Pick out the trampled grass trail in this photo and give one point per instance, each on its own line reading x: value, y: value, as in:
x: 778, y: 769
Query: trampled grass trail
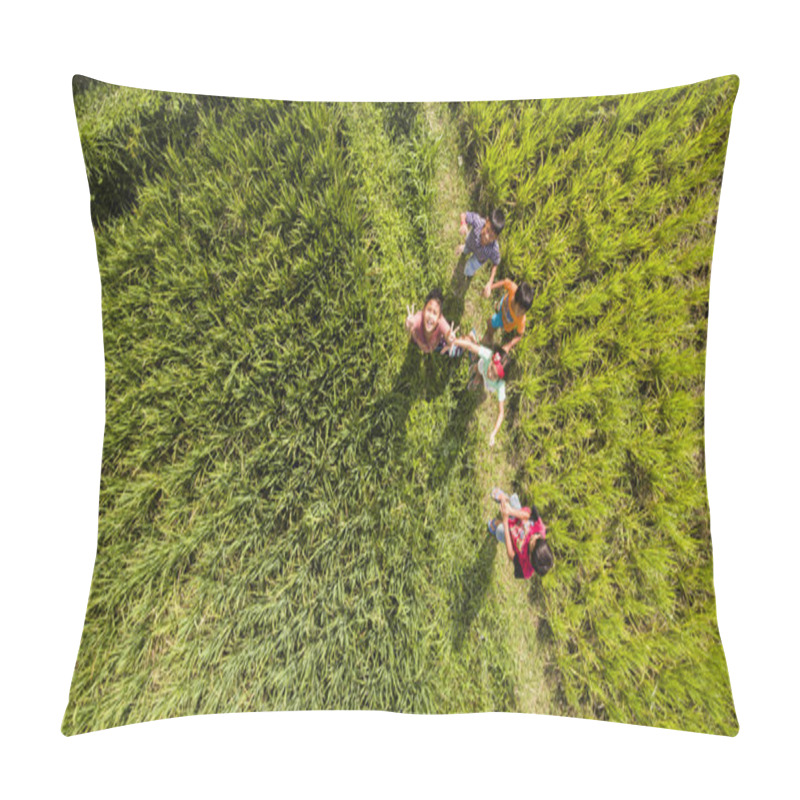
x: 611, y: 204
x: 522, y: 613
x: 492, y: 611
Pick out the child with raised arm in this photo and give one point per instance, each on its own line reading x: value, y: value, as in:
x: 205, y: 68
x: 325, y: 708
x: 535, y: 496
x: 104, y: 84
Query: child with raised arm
x: 490, y: 367
x: 481, y: 241
x: 510, y: 316
x: 524, y: 535
x: 428, y: 328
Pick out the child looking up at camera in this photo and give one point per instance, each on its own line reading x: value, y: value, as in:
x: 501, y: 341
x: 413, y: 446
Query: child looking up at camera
x: 428, y: 328
x: 489, y: 366
x: 510, y: 316
x: 481, y: 243
x: 524, y: 535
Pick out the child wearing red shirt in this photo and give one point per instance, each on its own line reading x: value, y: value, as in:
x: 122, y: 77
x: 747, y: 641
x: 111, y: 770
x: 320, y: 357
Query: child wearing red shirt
x: 524, y: 535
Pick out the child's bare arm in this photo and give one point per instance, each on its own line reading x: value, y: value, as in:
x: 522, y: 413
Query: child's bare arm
x: 450, y: 338
x: 463, y: 227
x: 487, y: 290
x: 504, y: 509
x: 497, y: 424
x: 513, y: 343
x: 451, y: 334
x: 519, y: 513
x: 467, y: 344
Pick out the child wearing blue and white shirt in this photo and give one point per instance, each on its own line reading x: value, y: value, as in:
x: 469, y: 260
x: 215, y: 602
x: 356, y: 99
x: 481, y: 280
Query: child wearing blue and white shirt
x: 481, y: 243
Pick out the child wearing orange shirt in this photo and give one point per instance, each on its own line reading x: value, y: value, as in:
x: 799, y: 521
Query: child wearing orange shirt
x: 510, y: 315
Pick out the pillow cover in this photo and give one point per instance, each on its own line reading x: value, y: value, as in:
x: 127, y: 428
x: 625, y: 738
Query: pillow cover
x: 294, y: 496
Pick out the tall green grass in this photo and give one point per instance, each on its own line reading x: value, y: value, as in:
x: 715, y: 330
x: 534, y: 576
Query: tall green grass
x: 287, y: 513
x: 290, y: 509
x: 611, y: 206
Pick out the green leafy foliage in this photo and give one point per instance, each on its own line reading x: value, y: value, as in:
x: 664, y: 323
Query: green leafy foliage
x: 292, y: 499
x: 611, y: 206
x: 282, y: 522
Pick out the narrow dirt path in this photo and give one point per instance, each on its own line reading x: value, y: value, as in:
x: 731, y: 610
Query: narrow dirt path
x: 534, y: 689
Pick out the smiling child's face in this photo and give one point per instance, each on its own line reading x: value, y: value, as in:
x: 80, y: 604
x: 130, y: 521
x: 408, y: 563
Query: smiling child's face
x: 487, y: 233
x: 431, y: 315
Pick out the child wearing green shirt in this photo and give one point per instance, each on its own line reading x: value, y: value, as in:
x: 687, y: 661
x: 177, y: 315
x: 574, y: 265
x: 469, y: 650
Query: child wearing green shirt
x: 490, y: 367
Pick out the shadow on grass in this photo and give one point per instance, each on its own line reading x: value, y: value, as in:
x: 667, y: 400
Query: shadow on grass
x: 426, y: 376
x: 512, y: 415
x: 469, y: 591
x: 455, y: 298
x: 544, y: 633
x: 421, y: 376
x: 453, y: 440
x: 454, y: 437
x: 455, y: 295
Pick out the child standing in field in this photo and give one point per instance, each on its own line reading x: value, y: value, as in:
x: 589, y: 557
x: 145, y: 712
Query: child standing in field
x: 428, y: 328
x: 522, y: 531
x: 490, y: 367
x: 511, y: 314
x: 481, y: 244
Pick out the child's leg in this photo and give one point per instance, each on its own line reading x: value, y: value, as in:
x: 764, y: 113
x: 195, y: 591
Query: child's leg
x: 472, y: 265
x: 494, y: 322
x: 498, y: 494
x: 496, y: 529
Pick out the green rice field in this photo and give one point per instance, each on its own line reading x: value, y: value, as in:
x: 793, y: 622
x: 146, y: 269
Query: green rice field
x: 293, y: 499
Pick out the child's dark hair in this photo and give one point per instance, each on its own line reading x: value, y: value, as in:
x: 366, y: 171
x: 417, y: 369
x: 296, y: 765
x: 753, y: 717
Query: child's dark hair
x: 541, y: 557
x: 524, y: 296
x: 498, y: 220
x: 435, y: 294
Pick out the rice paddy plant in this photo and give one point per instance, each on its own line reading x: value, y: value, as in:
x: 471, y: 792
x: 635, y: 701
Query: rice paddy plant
x: 282, y: 519
x: 611, y: 206
x: 288, y: 511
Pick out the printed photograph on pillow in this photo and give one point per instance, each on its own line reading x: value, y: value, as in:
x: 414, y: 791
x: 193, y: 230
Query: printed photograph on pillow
x: 404, y: 407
